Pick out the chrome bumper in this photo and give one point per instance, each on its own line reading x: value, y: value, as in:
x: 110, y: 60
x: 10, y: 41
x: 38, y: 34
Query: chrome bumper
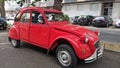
x: 96, y: 55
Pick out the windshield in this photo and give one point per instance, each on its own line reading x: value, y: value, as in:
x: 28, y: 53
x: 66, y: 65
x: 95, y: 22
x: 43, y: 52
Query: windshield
x: 53, y: 17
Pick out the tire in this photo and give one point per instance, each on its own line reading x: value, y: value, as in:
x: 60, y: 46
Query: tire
x: 107, y: 25
x: 5, y: 28
x: 15, y: 43
x: 2, y: 28
x: 66, y: 56
x: 94, y: 25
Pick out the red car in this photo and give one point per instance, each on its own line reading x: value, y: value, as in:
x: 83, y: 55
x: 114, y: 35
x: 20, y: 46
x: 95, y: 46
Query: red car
x: 48, y: 29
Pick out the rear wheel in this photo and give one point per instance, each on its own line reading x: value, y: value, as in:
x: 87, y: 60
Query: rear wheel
x: 15, y: 43
x: 66, y: 56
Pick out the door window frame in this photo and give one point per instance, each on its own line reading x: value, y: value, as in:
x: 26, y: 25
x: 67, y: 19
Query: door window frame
x: 22, y: 15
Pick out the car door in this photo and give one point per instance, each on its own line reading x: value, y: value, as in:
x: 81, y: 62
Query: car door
x: 24, y: 25
x: 39, y: 30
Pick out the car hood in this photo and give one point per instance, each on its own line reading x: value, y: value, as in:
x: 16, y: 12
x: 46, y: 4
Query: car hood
x: 77, y: 30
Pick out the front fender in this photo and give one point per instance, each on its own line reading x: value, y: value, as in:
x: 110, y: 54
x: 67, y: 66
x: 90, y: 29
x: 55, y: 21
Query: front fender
x: 14, y: 33
x: 82, y: 51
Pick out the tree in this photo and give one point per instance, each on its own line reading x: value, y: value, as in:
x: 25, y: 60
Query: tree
x: 2, y: 9
x: 57, y: 3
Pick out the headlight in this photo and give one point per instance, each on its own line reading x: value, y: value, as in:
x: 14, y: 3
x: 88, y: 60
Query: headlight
x: 86, y: 39
x: 97, y: 33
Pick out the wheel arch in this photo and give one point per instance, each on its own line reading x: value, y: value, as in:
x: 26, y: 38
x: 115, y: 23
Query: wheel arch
x: 58, y: 42
x: 14, y: 33
x: 62, y: 40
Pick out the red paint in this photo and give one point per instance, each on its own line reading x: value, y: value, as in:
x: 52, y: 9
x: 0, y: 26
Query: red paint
x: 47, y: 35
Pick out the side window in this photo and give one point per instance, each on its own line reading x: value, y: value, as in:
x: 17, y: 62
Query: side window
x: 25, y: 18
x: 37, y: 18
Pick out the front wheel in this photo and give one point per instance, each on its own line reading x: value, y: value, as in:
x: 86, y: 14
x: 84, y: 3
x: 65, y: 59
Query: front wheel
x: 107, y: 25
x: 15, y: 43
x: 66, y: 56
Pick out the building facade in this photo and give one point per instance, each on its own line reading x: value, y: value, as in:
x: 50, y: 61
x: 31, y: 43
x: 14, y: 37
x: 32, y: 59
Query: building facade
x: 10, y: 7
x: 109, y: 8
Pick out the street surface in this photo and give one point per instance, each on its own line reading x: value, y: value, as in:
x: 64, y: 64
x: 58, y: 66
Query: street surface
x: 107, y: 34
x: 29, y: 56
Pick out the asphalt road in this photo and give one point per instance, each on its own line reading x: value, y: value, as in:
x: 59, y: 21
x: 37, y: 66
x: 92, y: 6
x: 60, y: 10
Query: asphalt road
x: 107, y: 34
x: 33, y: 57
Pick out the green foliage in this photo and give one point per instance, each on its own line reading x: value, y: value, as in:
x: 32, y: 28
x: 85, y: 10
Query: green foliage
x: 63, y: 17
x: 67, y: 17
x: 1, y: 0
x: 20, y: 2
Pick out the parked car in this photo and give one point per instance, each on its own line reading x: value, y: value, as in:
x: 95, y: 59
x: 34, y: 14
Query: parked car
x: 102, y: 21
x: 10, y: 21
x: 117, y: 24
x: 3, y: 23
x: 48, y: 29
x: 85, y: 20
x: 74, y: 19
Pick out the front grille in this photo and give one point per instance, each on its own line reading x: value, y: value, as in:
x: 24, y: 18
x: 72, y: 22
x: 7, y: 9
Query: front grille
x: 97, y: 44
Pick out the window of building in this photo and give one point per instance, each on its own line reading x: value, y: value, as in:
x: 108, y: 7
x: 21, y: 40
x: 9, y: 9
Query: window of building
x: 94, y: 7
x: 25, y: 18
x: 80, y: 7
x: 66, y: 1
x: 68, y: 8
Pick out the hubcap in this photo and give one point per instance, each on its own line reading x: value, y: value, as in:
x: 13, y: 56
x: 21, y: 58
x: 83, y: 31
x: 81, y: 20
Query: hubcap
x: 13, y: 42
x: 64, y: 58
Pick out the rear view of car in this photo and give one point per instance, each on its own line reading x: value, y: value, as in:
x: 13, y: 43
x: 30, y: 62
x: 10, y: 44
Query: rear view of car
x: 74, y: 19
x: 3, y: 24
x: 102, y: 21
x: 85, y: 20
x: 82, y: 20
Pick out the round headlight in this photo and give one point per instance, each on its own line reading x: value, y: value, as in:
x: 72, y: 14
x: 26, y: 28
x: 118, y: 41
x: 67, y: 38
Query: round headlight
x: 86, y: 39
x: 98, y: 33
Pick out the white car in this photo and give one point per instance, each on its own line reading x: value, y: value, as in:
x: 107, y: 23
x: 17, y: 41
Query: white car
x: 10, y: 21
x: 117, y: 24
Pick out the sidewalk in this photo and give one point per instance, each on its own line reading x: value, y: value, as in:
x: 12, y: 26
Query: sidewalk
x: 111, y: 46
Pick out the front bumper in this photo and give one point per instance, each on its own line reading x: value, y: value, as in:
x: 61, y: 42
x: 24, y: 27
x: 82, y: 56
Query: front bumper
x: 100, y: 23
x: 96, y: 55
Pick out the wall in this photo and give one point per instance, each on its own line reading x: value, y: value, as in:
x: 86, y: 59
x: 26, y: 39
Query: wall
x: 86, y: 10
x: 116, y: 12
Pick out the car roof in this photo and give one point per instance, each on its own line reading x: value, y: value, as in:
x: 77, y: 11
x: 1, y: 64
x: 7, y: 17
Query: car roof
x: 43, y: 9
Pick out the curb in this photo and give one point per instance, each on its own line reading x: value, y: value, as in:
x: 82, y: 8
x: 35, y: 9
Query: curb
x: 111, y: 46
